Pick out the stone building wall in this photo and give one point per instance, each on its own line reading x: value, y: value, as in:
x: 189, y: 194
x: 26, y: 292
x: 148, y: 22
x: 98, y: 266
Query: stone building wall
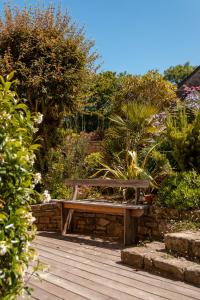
x: 153, y: 226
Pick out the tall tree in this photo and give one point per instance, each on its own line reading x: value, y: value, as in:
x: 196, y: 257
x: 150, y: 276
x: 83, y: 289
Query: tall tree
x: 177, y: 73
x: 103, y: 88
x: 52, y: 60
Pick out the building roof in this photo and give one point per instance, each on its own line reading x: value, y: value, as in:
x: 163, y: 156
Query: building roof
x: 192, y: 80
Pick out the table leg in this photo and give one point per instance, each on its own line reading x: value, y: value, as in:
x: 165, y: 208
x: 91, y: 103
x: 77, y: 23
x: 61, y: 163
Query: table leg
x: 130, y: 228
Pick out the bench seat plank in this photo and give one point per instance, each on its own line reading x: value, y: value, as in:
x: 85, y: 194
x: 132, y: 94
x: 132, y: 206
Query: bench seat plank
x: 108, y: 208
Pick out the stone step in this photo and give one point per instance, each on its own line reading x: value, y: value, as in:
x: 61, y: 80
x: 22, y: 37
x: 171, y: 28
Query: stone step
x: 186, y: 244
x: 154, y: 258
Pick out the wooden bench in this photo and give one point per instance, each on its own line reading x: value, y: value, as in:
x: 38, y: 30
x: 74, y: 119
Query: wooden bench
x: 130, y: 212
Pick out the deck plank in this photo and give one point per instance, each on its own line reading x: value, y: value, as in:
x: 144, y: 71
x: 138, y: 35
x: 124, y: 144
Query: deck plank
x: 117, y: 280
x: 88, y: 282
x: 57, y: 291
x: 86, y: 242
x: 114, y: 281
x: 81, y: 268
x: 85, y: 249
x: 38, y: 293
x: 100, y: 265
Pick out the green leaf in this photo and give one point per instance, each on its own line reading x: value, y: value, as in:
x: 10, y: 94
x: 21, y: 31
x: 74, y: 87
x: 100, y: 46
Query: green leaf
x: 10, y: 76
x: 3, y: 217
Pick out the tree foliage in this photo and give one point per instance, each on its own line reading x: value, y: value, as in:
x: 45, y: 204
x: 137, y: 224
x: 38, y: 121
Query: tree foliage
x: 149, y: 89
x: 52, y: 60
x: 177, y: 73
x: 103, y: 88
x: 97, y: 102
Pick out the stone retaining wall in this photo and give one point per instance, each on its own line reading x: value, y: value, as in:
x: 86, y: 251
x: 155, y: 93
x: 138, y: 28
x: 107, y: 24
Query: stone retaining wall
x: 154, y: 225
x: 161, y: 220
x: 48, y: 216
x: 98, y: 224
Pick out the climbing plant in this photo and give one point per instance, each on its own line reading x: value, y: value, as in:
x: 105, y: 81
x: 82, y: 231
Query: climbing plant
x: 17, y: 181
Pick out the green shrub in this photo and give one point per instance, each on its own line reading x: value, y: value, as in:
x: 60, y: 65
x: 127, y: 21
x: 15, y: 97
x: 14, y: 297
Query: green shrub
x: 65, y: 161
x: 180, y: 191
x: 16, y: 191
x: 92, y: 162
x: 183, y: 137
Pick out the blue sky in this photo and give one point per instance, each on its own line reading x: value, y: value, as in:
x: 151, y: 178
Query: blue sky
x: 138, y: 35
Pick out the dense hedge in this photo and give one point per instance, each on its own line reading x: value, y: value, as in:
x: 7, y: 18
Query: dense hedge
x: 16, y: 191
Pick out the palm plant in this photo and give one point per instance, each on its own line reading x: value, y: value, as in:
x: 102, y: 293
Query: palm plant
x: 126, y: 169
x: 136, y: 124
x: 130, y: 168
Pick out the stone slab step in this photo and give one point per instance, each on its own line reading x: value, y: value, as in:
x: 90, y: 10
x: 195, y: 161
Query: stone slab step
x: 153, y: 258
x: 186, y: 244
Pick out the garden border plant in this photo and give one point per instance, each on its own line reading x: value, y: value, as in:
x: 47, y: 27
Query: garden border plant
x: 181, y: 191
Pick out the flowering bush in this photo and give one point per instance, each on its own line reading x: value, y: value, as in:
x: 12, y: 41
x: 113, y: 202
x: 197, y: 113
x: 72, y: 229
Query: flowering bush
x: 191, y: 95
x: 17, y: 181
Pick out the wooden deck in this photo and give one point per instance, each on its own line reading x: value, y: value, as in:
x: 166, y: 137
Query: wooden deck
x: 84, y: 268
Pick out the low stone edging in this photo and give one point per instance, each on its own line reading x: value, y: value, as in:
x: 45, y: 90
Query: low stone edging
x: 185, y: 244
x: 155, y: 259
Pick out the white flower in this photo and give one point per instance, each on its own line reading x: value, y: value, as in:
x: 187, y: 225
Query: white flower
x: 32, y: 220
x: 26, y: 246
x: 37, y: 178
x: 3, y: 248
x: 38, y: 118
x: 46, y: 197
x: 9, y: 226
x: 30, y: 217
x: 35, y: 130
x: 14, y: 242
x: 29, y: 158
x: 2, y: 274
x: 6, y: 115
